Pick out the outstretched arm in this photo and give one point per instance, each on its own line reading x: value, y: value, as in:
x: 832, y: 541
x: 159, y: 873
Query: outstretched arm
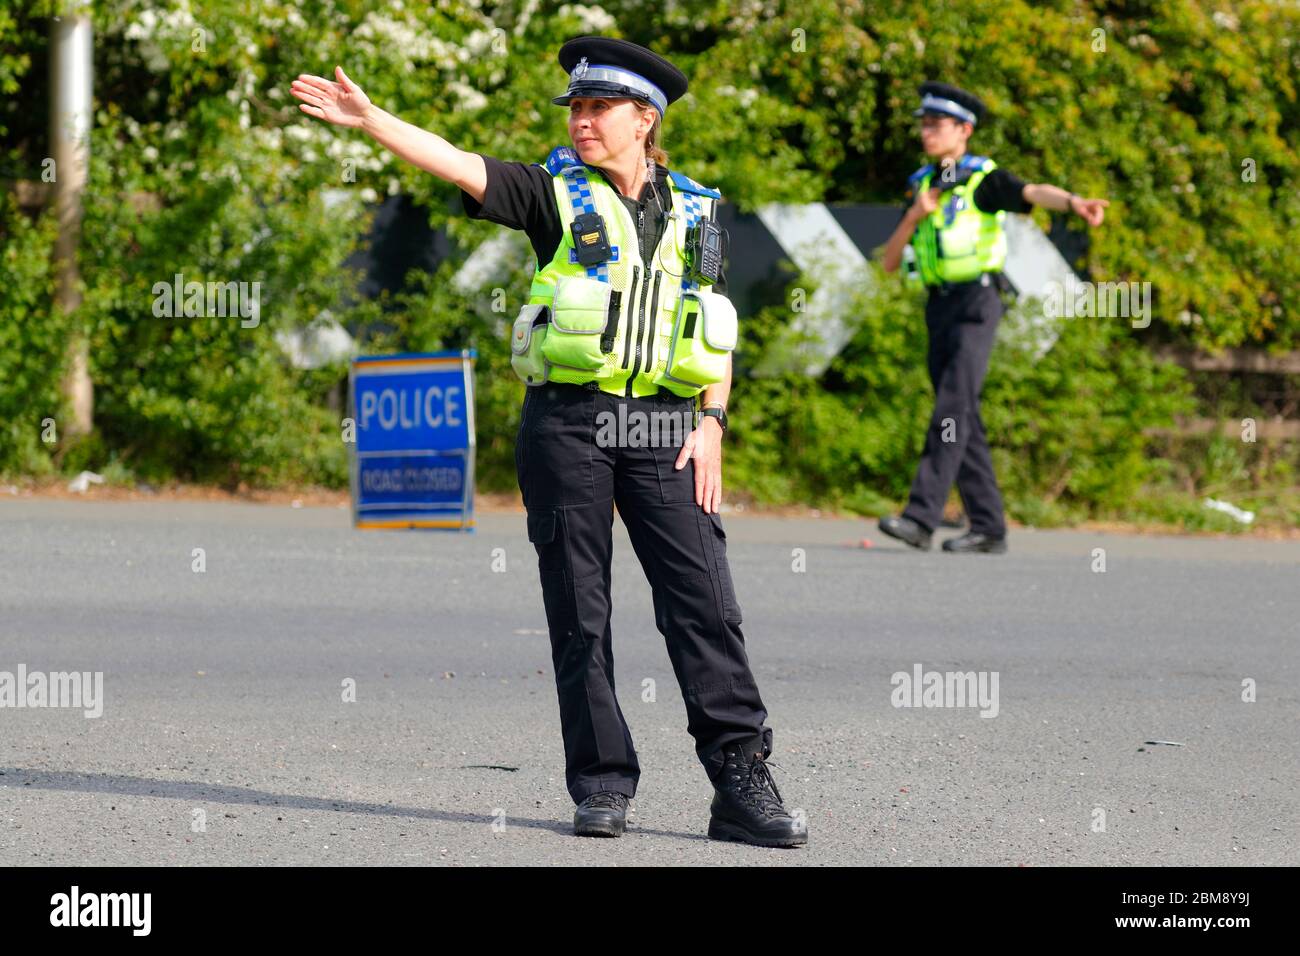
x: 1091, y: 211
x: 344, y: 104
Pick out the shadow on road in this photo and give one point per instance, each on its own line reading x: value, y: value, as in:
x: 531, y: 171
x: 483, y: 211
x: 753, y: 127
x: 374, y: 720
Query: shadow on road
x: 210, y: 793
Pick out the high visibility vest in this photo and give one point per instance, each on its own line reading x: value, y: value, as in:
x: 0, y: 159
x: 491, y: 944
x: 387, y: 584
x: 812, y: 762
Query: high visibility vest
x: 627, y: 327
x: 958, y: 241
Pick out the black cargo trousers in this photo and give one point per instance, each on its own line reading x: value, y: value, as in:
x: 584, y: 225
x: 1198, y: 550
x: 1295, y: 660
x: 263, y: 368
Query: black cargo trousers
x: 571, y: 474
x: 962, y: 322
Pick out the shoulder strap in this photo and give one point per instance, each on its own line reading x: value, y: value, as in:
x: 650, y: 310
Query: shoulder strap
x: 692, y: 197
x: 563, y: 163
x: 559, y: 158
x: 977, y: 163
x: 976, y: 168
x: 688, y: 185
x: 916, y: 177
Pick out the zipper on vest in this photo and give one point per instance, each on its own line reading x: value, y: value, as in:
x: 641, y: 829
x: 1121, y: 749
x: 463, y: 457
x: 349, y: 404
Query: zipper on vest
x: 654, y: 316
x: 640, y: 328
x: 627, y: 344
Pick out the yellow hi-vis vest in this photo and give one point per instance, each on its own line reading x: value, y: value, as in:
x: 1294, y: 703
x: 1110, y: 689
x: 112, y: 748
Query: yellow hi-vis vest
x: 626, y: 327
x: 957, y: 242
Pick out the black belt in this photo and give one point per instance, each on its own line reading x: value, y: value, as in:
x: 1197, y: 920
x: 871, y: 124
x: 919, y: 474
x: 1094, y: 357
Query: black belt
x: 947, y: 288
x: 663, y: 395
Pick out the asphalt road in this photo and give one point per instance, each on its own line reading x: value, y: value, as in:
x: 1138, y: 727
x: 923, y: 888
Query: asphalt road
x: 225, y: 738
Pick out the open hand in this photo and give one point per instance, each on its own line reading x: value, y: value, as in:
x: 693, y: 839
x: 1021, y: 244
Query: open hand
x: 704, y: 444
x: 342, y: 103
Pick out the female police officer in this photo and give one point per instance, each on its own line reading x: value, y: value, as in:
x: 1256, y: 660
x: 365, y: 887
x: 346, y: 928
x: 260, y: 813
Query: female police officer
x: 625, y: 325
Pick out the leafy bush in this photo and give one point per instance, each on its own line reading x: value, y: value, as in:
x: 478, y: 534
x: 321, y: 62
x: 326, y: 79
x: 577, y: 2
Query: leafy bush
x: 203, y: 165
x: 33, y: 340
x: 1067, y: 430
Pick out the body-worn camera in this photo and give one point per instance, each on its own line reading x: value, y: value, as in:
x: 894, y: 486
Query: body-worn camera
x: 704, y: 252
x: 590, y: 241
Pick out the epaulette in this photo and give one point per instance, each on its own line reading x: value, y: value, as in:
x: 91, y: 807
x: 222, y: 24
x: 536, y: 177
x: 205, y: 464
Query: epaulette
x: 688, y: 185
x: 920, y: 174
x: 560, y: 157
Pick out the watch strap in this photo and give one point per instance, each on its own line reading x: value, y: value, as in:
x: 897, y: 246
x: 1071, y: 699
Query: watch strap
x: 718, y: 412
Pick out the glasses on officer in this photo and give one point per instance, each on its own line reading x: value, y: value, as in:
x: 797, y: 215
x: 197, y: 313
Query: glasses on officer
x: 935, y: 121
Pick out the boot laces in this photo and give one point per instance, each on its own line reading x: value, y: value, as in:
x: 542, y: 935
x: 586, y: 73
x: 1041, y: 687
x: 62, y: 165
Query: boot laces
x: 760, y: 787
x: 607, y: 798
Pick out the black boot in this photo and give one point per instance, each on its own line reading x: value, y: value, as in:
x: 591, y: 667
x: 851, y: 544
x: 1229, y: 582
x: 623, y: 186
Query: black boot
x: 746, y: 804
x: 907, y: 531
x: 602, y: 814
x: 975, y: 542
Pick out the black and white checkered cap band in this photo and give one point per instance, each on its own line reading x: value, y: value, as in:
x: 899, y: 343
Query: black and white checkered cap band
x: 939, y: 104
x: 620, y: 77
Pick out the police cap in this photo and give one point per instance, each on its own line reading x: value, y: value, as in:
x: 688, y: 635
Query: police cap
x: 605, y: 66
x: 947, y: 100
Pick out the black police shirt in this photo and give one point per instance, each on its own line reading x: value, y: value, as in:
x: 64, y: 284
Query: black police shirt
x: 521, y: 196
x: 999, y: 191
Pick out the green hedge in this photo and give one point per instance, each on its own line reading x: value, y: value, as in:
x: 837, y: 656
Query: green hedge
x: 788, y: 103
x: 33, y: 341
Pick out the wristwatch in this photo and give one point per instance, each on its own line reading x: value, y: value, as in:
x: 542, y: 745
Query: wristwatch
x: 718, y: 412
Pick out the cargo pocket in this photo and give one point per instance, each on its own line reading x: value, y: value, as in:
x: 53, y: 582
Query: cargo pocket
x: 580, y: 311
x: 957, y: 241
x: 520, y: 434
x: 552, y: 563
x: 527, y: 337
x: 541, y: 531
x: 676, y: 485
x: 730, y: 607
x: 704, y: 335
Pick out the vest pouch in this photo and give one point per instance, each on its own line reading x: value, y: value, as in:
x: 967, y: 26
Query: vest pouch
x: 579, y: 313
x: 704, y: 335
x: 958, y: 240
x: 526, y: 338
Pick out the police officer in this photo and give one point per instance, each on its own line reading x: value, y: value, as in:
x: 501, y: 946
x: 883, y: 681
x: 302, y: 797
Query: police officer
x: 955, y: 226
x: 626, y: 327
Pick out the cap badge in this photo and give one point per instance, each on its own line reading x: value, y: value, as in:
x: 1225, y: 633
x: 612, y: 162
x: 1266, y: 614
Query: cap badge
x: 580, y: 70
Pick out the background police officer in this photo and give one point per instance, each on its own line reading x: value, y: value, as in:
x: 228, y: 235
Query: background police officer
x: 955, y: 227
x: 626, y: 316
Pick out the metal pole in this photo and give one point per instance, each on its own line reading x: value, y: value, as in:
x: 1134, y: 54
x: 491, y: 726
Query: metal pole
x: 70, y: 117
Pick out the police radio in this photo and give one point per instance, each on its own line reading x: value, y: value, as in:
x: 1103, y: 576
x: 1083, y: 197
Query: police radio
x: 589, y: 238
x: 704, y: 252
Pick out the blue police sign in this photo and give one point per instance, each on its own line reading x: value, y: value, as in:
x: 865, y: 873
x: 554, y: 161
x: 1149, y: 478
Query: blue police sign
x: 413, y: 463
